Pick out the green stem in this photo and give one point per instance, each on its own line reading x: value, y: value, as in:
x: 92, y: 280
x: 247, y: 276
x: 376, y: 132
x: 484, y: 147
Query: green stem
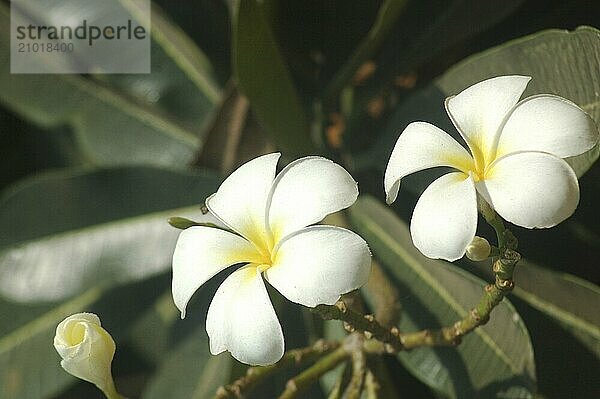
x: 372, y: 386
x: 313, y: 373
x: 111, y: 392
x: 355, y: 386
x: 366, y: 324
x: 493, y: 220
x: 340, y: 382
x: 292, y: 358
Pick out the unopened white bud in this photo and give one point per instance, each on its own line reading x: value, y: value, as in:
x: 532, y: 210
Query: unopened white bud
x: 479, y: 249
x: 86, y: 350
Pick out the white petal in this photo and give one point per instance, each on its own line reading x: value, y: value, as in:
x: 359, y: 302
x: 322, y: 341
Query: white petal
x: 479, y: 110
x: 531, y: 189
x: 319, y: 263
x: 445, y: 218
x: 306, y: 191
x: 86, y: 349
x: 550, y: 124
x: 420, y: 146
x: 241, y: 319
x: 62, y: 328
x: 200, y: 253
x: 241, y: 200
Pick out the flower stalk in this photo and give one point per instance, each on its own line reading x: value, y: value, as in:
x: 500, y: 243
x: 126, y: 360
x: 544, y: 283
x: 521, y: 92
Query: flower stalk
x: 303, y: 380
x: 372, y: 386
x: 292, y: 358
x: 359, y: 364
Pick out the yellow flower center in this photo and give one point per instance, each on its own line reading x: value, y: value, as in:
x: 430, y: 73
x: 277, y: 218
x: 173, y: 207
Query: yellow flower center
x: 76, y: 334
x: 264, y: 245
x: 479, y: 167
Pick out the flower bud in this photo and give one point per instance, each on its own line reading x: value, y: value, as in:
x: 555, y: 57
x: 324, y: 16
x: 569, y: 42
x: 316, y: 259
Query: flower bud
x: 479, y: 249
x: 87, y: 350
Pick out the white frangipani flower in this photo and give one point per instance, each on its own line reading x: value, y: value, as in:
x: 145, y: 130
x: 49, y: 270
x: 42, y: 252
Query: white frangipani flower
x: 308, y: 265
x: 514, y: 163
x: 87, y: 351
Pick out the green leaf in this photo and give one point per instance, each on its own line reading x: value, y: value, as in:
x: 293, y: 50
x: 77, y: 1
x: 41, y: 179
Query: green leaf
x: 18, y: 366
x: 560, y: 62
x: 150, y: 335
x: 27, y: 149
x: 559, y: 308
x: 263, y: 76
x: 190, y: 371
x: 182, y: 82
x: 112, y: 126
x: 29, y: 365
x: 494, y: 361
x: 182, y: 50
x: 76, y: 228
x: 569, y: 300
x: 561, y: 311
x: 574, y: 72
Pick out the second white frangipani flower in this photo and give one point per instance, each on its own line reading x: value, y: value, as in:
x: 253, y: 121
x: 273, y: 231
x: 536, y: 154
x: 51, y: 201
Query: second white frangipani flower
x: 269, y: 215
x: 515, y: 163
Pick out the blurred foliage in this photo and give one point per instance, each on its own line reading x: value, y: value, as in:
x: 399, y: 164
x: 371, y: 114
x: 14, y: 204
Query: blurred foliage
x: 92, y: 166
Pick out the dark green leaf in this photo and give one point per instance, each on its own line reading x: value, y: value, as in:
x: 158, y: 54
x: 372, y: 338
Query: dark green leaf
x: 19, y: 368
x: 263, y: 76
x: 560, y: 62
x: 559, y: 308
x: 559, y: 357
x: 181, y: 83
x: 190, y: 371
x: 150, y: 335
x: 63, y: 231
x: 29, y: 365
x: 494, y: 361
x: 110, y: 126
x: 569, y: 300
x: 573, y: 75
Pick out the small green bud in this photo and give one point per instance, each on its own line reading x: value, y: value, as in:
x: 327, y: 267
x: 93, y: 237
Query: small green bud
x: 182, y: 223
x: 479, y: 249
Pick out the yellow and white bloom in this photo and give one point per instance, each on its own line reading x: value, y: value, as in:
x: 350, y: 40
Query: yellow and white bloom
x: 515, y: 163
x: 87, y: 351
x: 269, y: 215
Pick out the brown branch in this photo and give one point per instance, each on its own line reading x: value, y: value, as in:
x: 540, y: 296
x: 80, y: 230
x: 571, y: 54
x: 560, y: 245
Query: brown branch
x: 292, y: 358
x: 341, y: 381
x: 366, y: 324
x: 372, y: 386
x: 355, y: 386
x: 313, y: 373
